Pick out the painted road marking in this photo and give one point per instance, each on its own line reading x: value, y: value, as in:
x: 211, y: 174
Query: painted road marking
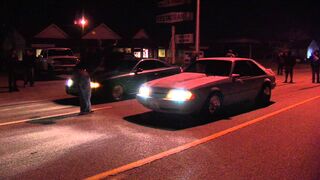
x: 51, y: 116
x: 184, y: 147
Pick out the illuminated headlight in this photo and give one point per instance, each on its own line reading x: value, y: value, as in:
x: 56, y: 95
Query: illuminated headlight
x: 69, y: 82
x: 179, y: 95
x: 144, y: 91
x: 94, y: 85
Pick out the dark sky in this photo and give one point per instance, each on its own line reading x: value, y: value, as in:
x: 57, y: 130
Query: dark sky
x: 219, y: 18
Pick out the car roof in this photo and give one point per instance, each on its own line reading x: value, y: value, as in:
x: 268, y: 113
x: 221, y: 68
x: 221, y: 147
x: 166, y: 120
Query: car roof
x: 224, y: 59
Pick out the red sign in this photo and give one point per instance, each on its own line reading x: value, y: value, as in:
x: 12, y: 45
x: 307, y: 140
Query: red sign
x: 174, y: 17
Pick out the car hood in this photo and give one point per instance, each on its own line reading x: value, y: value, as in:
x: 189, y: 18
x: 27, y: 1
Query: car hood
x: 186, y: 81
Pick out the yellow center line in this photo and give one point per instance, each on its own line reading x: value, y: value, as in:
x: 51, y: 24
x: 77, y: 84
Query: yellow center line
x: 50, y: 116
x: 183, y: 147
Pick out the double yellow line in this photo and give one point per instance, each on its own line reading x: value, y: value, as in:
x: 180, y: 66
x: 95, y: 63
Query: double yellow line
x: 181, y: 148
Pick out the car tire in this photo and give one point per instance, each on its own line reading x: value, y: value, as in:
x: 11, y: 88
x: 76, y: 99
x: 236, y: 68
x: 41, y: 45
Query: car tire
x: 213, y: 104
x: 117, y: 92
x: 264, y: 95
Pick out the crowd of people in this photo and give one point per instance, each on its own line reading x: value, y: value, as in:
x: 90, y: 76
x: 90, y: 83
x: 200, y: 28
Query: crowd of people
x: 20, y: 70
x: 286, y: 63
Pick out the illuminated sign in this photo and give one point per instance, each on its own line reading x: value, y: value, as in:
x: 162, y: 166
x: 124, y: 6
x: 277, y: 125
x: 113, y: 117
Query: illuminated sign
x: 184, y: 38
x: 174, y: 17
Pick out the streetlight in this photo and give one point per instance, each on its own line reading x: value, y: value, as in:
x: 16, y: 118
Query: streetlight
x: 82, y: 22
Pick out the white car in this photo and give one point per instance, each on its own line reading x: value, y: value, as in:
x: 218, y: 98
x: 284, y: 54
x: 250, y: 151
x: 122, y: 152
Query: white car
x: 207, y: 85
x: 57, y: 59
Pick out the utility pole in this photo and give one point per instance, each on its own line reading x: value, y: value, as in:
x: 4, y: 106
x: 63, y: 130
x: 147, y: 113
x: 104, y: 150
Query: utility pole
x: 198, y: 28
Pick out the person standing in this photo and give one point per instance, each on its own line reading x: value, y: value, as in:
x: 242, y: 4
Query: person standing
x: 315, y: 66
x: 12, y: 62
x: 280, y: 61
x: 29, y: 65
x: 82, y: 80
x: 289, y: 63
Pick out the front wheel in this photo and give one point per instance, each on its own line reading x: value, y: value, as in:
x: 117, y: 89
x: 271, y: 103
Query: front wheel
x: 213, y: 105
x: 117, y: 92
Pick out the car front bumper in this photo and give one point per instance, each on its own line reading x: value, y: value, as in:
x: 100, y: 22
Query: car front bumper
x: 168, y: 106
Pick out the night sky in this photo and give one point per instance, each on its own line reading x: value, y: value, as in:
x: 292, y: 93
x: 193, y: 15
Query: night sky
x: 234, y: 18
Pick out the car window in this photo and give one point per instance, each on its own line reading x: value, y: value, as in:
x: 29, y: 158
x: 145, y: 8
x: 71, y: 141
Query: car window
x: 211, y: 67
x: 149, y: 64
x: 242, y: 68
x: 256, y: 70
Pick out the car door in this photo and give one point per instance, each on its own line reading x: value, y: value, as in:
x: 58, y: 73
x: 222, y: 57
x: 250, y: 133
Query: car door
x: 257, y: 79
x: 242, y: 84
x: 141, y: 73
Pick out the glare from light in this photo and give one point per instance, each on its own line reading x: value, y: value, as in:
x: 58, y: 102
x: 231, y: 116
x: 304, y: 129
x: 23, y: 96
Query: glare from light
x: 94, y: 85
x: 144, y: 91
x: 69, y: 82
x: 179, y: 95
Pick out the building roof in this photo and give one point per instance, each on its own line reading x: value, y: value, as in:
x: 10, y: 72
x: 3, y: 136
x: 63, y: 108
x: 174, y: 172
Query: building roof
x: 102, y: 32
x: 52, y: 32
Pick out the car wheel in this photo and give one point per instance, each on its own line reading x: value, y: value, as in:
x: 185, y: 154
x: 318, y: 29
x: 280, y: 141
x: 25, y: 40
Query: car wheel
x: 213, y: 104
x: 264, y: 95
x: 117, y: 92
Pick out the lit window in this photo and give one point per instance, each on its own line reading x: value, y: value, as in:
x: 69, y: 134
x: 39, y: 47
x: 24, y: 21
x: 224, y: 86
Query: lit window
x: 162, y: 53
x: 137, y: 54
x: 145, y: 53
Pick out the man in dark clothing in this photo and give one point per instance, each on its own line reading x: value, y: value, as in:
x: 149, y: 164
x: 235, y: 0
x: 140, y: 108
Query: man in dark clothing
x: 315, y: 66
x: 82, y: 80
x: 12, y: 62
x: 280, y: 61
x: 289, y: 63
x: 29, y: 64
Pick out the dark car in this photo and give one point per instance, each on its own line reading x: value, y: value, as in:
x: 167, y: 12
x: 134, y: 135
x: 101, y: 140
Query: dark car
x: 208, y: 85
x: 123, y: 77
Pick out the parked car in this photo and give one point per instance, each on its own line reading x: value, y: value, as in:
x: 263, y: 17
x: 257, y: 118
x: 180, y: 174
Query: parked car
x: 207, y: 85
x: 123, y: 77
x: 56, y: 60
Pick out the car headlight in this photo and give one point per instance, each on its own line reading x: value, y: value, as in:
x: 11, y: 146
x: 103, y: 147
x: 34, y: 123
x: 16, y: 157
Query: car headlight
x: 94, y: 85
x: 69, y: 82
x: 179, y: 95
x: 144, y: 91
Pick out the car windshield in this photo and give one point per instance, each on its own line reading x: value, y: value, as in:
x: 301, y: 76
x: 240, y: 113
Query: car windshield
x: 123, y: 66
x: 211, y: 67
x: 62, y: 52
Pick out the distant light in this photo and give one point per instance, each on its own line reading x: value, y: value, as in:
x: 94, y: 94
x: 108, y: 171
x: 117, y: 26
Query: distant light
x: 83, y: 21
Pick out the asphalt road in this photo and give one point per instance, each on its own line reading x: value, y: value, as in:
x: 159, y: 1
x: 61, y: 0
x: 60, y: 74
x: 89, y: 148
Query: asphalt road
x: 42, y: 137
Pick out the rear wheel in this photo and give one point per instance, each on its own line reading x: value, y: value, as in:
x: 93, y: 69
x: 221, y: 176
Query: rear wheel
x: 264, y: 95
